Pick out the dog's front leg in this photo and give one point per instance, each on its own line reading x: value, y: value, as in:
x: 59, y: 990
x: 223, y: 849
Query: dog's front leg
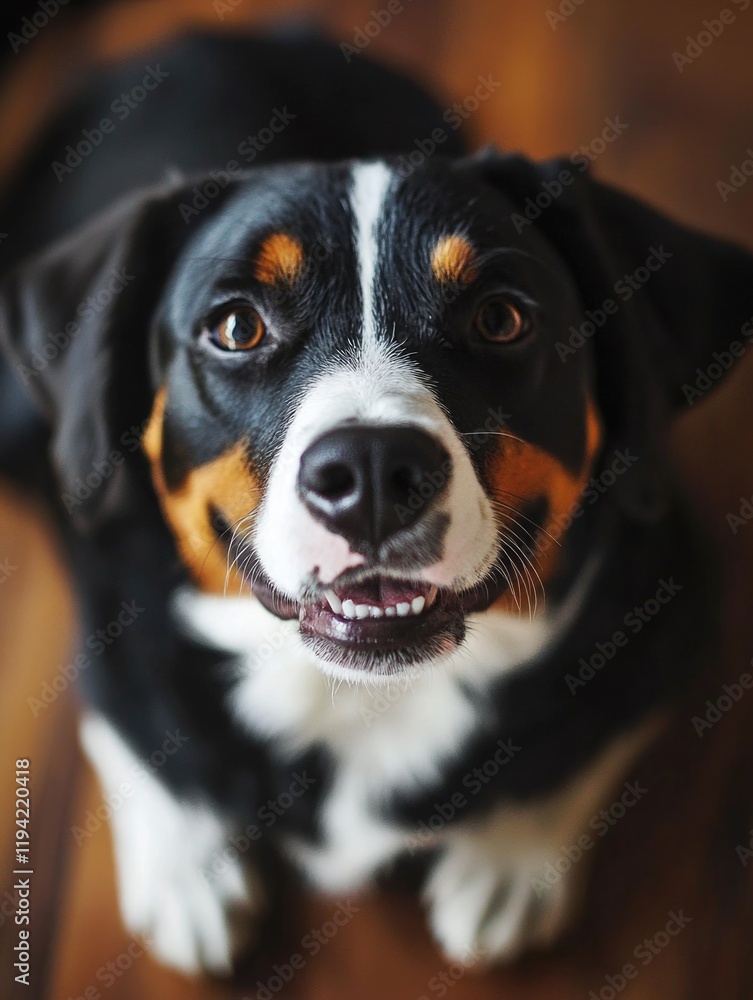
x: 192, y: 897
x: 492, y: 895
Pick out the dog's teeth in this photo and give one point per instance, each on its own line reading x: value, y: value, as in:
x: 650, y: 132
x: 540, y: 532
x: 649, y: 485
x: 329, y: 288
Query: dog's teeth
x: 301, y: 613
x: 349, y: 609
x: 334, y: 601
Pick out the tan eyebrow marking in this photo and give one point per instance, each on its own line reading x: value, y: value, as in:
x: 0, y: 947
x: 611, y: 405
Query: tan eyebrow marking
x: 279, y: 259
x: 453, y: 260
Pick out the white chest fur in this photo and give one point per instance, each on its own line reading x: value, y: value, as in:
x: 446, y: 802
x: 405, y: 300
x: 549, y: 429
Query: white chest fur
x: 382, y: 738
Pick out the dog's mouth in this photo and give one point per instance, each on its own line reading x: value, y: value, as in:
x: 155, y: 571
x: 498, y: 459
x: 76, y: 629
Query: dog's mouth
x: 381, y: 625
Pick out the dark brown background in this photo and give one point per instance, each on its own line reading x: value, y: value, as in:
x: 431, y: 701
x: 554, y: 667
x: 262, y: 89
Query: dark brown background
x: 677, y: 849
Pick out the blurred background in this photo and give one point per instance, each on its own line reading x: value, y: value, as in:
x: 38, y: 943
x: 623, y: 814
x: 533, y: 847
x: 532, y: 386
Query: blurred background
x: 571, y: 75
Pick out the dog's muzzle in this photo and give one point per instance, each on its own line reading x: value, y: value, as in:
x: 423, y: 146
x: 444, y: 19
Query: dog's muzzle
x: 382, y: 489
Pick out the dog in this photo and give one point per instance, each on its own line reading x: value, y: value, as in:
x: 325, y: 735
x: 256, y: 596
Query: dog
x: 359, y: 460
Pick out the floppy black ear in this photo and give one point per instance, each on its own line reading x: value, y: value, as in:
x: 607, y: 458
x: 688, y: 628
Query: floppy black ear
x: 675, y: 295
x: 74, y: 323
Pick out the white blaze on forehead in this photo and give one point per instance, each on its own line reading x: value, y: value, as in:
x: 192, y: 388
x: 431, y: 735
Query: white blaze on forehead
x: 371, y: 182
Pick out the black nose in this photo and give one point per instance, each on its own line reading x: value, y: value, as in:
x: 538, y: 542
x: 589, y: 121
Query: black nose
x: 367, y: 483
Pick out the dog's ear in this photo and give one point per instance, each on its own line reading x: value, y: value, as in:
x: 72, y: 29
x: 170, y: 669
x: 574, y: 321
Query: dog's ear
x: 658, y: 299
x: 75, y: 322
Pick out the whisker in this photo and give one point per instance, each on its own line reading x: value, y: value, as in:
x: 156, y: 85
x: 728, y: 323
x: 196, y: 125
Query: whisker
x: 504, y: 434
x: 502, y: 509
x: 519, y: 551
x: 529, y: 571
x: 217, y: 540
x: 529, y: 561
x: 530, y: 520
x: 237, y: 527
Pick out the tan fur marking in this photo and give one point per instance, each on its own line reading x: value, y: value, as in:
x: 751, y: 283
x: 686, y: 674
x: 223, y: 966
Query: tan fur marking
x: 529, y: 472
x: 279, y: 259
x: 453, y: 261
x: 225, y: 483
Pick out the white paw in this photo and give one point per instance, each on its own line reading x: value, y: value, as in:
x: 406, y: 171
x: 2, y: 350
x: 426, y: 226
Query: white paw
x: 482, y: 909
x: 195, y: 909
x: 181, y: 886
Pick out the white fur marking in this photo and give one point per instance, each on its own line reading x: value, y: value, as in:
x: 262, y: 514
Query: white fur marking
x: 163, y: 848
x: 371, y: 183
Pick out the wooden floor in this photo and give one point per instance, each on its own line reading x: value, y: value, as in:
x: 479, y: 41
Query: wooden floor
x: 677, y: 850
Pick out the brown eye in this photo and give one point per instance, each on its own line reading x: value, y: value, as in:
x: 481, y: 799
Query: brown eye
x: 499, y: 321
x: 241, y: 330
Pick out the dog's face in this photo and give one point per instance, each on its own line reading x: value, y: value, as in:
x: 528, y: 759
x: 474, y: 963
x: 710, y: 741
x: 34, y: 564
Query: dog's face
x: 361, y: 413
x: 354, y: 403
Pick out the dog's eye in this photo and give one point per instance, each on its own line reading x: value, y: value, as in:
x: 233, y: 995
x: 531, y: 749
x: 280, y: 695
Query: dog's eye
x: 499, y: 321
x: 241, y: 330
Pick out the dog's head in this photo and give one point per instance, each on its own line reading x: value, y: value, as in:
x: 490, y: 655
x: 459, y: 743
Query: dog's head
x: 372, y: 399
